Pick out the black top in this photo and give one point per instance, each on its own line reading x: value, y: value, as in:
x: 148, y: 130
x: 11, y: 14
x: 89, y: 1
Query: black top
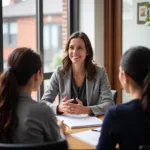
x: 79, y: 93
x: 126, y: 125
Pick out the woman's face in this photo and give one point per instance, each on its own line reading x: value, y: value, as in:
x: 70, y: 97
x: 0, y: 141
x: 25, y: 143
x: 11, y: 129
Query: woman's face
x: 121, y: 75
x: 77, y: 51
x: 123, y: 80
x: 41, y: 76
x: 39, y: 79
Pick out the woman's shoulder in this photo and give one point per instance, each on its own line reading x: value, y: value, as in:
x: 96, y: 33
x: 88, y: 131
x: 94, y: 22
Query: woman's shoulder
x: 58, y: 71
x: 128, y: 105
x: 100, y: 68
x: 40, y: 110
x: 125, y: 109
x: 58, y: 68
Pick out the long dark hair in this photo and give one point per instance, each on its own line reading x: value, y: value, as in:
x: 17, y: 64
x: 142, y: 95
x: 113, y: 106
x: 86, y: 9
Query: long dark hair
x: 136, y: 63
x: 22, y: 64
x: 89, y: 65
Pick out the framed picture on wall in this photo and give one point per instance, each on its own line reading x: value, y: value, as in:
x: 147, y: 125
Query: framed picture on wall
x: 142, y: 13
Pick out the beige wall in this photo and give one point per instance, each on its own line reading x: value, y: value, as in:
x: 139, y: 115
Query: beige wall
x: 92, y: 23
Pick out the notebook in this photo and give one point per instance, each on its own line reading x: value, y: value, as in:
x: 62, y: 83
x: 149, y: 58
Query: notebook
x: 79, y: 121
x: 89, y: 136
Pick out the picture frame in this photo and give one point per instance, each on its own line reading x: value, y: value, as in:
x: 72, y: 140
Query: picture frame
x: 142, y: 13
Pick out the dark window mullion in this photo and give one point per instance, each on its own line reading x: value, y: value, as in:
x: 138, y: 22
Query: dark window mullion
x: 39, y: 41
x: 39, y: 37
x: 9, y: 35
x: 73, y: 16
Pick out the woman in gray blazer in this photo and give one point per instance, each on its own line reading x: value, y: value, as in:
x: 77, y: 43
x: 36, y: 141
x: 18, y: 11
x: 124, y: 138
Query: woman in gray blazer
x: 83, y: 87
x: 23, y: 120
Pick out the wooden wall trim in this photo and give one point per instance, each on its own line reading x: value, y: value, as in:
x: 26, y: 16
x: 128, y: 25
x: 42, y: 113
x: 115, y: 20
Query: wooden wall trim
x: 113, y: 42
x: 108, y: 33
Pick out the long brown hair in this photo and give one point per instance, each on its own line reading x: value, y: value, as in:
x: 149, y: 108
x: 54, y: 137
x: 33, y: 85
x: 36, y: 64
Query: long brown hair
x: 89, y: 65
x: 22, y: 64
x: 136, y: 63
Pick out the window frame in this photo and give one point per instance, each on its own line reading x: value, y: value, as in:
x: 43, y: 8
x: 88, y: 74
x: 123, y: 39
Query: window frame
x: 73, y: 25
x: 9, y: 43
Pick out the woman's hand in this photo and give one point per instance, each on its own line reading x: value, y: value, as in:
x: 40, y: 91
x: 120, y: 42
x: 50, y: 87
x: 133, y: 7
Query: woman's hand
x: 78, y: 108
x: 62, y: 126
x: 67, y: 107
x: 64, y: 106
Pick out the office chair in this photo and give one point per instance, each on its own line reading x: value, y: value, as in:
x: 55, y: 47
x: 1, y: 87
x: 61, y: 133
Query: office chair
x: 60, y: 144
x: 144, y: 147
x: 114, y: 94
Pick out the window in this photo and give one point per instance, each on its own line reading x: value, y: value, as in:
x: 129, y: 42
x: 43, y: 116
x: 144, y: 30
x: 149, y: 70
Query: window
x: 19, y: 29
x: 10, y: 34
x: 52, y: 43
x: 5, y: 65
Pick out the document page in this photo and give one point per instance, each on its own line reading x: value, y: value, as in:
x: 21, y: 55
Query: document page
x: 78, y: 121
x: 89, y: 136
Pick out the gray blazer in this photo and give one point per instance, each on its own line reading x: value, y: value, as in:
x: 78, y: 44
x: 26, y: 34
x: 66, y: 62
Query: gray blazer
x: 36, y: 122
x: 98, y: 92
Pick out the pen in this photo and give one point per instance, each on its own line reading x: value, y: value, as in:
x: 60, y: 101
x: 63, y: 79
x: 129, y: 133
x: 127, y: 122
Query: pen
x: 95, y: 130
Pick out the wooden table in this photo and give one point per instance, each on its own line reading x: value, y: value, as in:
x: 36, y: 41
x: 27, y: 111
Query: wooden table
x: 76, y: 144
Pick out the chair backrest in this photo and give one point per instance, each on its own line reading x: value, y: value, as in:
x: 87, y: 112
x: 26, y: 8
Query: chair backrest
x: 144, y: 147
x: 61, y: 144
x: 114, y: 94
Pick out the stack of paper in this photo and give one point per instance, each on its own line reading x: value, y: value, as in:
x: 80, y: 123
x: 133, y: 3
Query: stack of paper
x: 88, y: 136
x: 78, y: 121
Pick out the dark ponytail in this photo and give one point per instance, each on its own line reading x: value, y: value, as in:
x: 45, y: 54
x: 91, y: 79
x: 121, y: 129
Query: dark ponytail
x: 8, y: 101
x: 22, y: 64
x: 136, y: 63
x: 146, y: 95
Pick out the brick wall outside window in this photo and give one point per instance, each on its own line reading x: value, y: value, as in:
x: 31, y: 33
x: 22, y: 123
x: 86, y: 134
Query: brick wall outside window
x: 64, y: 25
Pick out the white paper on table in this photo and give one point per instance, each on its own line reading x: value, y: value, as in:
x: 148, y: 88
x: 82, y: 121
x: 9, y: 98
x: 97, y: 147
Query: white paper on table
x: 78, y: 121
x: 89, y: 136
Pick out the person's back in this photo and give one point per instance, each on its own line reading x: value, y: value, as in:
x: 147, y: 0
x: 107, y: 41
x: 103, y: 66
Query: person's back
x: 23, y: 120
x: 36, y: 122
x: 128, y: 125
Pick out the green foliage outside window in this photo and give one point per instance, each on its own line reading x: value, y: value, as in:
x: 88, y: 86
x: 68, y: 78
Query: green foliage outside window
x: 148, y: 14
x: 57, y: 60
